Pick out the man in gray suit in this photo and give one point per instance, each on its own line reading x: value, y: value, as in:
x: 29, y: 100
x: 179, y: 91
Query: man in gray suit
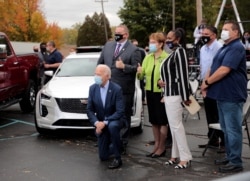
x: 122, y: 57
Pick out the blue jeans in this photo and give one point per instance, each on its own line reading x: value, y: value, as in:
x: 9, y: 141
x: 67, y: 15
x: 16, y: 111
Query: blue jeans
x: 230, y: 117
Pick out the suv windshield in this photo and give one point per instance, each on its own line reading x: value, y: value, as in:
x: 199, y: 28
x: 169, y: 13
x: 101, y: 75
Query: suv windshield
x: 73, y: 67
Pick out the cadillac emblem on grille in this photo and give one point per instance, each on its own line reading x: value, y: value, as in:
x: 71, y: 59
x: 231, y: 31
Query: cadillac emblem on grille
x: 84, y: 101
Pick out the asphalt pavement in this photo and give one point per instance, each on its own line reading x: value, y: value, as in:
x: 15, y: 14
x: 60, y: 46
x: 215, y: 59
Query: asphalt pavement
x: 202, y: 167
x: 66, y: 156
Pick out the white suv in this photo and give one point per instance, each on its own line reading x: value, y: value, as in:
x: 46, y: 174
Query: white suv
x: 61, y: 103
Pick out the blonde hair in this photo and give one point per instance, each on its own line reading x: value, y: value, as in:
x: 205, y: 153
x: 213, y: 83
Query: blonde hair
x: 159, y: 37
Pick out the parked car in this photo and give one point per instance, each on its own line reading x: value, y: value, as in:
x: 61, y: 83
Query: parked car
x: 19, y: 77
x: 62, y: 102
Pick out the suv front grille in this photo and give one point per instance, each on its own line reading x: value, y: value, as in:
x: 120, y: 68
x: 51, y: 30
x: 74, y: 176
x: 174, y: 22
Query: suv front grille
x: 72, y: 105
x: 74, y: 122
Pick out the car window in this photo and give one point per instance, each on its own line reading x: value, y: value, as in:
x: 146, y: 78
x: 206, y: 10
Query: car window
x: 4, y: 41
x: 77, y: 67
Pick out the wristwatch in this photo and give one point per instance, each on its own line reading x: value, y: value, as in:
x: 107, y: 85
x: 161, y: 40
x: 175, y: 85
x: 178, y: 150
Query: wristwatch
x: 206, y: 83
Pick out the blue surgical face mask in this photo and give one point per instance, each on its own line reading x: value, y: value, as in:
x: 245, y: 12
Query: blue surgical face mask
x: 98, y: 79
x: 152, y: 47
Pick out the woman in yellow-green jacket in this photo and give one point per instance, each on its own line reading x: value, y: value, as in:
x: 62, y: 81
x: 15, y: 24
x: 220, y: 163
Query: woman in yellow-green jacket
x: 150, y: 70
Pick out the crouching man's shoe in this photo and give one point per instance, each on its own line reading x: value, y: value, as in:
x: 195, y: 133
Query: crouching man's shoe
x: 116, y: 163
x: 230, y: 168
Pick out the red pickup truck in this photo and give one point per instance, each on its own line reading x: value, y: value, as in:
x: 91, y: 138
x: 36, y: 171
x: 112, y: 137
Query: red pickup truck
x: 19, y: 77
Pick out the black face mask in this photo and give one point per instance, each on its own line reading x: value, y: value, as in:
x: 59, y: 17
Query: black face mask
x: 170, y: 44
x: 118, y: 37
x: 43, y: 49
x: 205, y: 39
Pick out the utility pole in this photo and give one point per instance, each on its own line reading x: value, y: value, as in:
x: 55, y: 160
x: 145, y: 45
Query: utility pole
x: 199, y: 11
x: 104, y: 20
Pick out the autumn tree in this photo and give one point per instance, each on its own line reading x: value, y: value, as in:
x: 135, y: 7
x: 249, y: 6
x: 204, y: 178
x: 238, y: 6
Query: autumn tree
x: 92, y: 31
x: 23, y: 20
x: 38, y: 27
x: 17, y: 18
x: 55, y: 34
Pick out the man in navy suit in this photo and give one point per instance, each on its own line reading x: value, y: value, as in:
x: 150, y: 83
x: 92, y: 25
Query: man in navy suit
x: 105, y: 109
x: 122, y: 57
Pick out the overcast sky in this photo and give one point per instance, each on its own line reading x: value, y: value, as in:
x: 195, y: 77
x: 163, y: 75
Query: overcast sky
x: 68, y: 12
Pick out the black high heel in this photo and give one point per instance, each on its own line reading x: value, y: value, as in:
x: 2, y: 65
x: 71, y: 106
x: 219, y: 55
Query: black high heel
x: 157, y: 156
x: 186, y: 165
x: 149, y: 154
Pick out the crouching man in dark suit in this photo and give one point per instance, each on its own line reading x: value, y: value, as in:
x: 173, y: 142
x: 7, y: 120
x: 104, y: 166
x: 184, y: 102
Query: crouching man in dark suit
x: 105, y: 109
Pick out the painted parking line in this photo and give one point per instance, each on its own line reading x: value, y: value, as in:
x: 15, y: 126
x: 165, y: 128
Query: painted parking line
x: 19, y: 137
x: 8, y: 124
x: 14, y: 121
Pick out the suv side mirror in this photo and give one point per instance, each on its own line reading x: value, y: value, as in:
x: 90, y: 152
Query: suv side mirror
x: 49, y: 73
x: 3, y: 51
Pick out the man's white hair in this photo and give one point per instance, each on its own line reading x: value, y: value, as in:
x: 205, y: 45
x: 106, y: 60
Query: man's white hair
x: 105, y: 68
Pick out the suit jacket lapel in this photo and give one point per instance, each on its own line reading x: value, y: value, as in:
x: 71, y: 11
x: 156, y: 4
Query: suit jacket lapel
x: 113, y: 50
x: 113, y: 47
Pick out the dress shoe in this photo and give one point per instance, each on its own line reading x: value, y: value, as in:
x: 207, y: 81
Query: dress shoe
x: 230, y: 168
x: 157, y: 156
x: 149, y: 154
x: 223, y: 161
x: 115, y: 164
